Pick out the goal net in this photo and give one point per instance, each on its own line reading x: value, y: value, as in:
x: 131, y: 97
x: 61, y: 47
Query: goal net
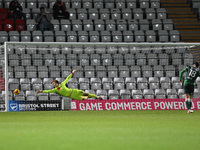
x: 109, y: 70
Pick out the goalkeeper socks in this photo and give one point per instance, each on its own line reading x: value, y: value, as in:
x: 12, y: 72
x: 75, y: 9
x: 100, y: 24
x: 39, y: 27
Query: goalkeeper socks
x: 92, y: 95
x: 190, y: 103
x: 187, y: 104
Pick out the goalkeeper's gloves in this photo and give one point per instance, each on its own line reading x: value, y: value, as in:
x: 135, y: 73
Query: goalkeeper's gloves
x: 38, y: 91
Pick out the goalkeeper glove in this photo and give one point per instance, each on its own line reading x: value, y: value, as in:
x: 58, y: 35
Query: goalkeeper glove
x: 38, y: 91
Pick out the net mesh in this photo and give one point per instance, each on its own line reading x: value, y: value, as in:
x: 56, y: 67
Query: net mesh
x: 109, y: 70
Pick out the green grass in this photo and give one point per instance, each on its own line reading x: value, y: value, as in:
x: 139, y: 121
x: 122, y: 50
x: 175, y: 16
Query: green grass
x: 100, y: 130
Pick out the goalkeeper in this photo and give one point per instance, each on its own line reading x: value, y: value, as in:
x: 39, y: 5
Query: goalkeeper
x: 191, y: 74
x: 62, y: 90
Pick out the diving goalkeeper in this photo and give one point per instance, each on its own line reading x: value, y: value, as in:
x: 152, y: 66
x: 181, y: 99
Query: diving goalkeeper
x: 62, y: 90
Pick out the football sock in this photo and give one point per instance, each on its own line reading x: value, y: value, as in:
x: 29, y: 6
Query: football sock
x: 190, y: 103
x: 92, y: 95
x: 187, y: 104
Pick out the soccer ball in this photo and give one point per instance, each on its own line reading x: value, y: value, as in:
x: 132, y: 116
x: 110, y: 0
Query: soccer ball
x: 16, y: 91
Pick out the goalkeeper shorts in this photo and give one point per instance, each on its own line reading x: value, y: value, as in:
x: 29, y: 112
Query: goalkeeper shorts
x: 77, y: 94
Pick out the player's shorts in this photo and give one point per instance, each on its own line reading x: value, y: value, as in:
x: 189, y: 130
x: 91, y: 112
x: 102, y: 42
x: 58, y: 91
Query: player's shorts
x: 189, y: 89
x: 77, y: 94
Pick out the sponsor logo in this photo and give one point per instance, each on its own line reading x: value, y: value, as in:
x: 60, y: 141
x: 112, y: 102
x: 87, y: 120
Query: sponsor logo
x: 73, y: 105
x: 14, y: 106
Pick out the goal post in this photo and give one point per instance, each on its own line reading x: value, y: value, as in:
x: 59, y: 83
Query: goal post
x: 29, y: 66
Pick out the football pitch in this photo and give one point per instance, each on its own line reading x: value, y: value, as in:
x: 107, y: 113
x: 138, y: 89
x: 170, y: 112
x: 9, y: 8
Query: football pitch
x: 100, y: 130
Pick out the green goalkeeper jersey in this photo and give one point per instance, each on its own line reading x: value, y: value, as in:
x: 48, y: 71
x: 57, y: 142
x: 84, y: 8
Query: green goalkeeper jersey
x: 61, y: 89
x: 192, y: 74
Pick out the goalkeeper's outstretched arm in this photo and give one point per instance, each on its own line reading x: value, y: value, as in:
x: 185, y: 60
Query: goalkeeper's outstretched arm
x: 45, y: 91
x: 69, y: 77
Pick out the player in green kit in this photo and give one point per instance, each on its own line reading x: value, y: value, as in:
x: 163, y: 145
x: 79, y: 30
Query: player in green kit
x: 189, y: 82
x: 62, y: 90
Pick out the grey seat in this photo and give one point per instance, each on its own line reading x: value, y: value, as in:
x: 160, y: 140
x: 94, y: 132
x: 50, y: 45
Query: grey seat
x: 102, y: 93
x: 48, y: 36
x: 73, y: 13
x: 110, y: 4
x: 125, y: 94
x: 139, y: 36
x: 150, y: 13
x: 60, y: 60
x: 152, y: 59
x: 4, y: 36
x: 94, y: 36
x: 154, y: 83
x: 36, y: 84
x: 72, y: 36
x: 30, y: 96
x: 83, y: 36
x: 106, y: 59
x: 128, y: 36
x: 112, y: 71
x: 13, y: 60
x: 37, y: 36
x: 163, y: 36
x: 165, y: 83
x: 84, y: 83
x: 170, y: 71
x: 148, y: 94
x: 95, y: 83
x: 14, y: 36
x: 119, y: 83
x: 77, y: 25
x: 142, y: 83
x: 116, y: 36
x: 126, y: 12
x: 104, y: 14
x: 105, y: 36
x: 181, y: 93
x: 89, y: 72
x: 188, y: 59
x: 161, y: 13
x: 150, y: 36
x: 118, y: 59
x: 138, y: 13
x: 131, y: 4
x: 163, y: 59
x: 25, y: 84
x: 141, y: 59
x: 79, y: 73
x: 144, y: 24
x: 160, y: 93
x: 129, y: 59
x: 135, y: 71
x: 130, y: 83
x: 110, y: 25
x: 147, y: 71
x: 60, y: 36
x: 43, y: 72
x: 144, y: 3
x: 155, y: 3
x: 124, y: 71
x: 99, y: 4
x: 99, y: 25
x: 133, y: 25
x: 31, y: 72
x: 56, y: 24
x: 174, y: 36
x: 137, y: 94
x: 82, y: 14
x: 76, y: 4
x: 115, y: 14
x: 31, y: 25
x: 113, y: 94
x: 49, y: 60
x: 31, y: 4
x: 88, y: 25
x: 107, y: 83
x: 168, y: 24
x: 95, y: 59
x: 171, y: 93
x: 157, y: 24
x: 93, y: 14
x: 19, y: 72
x: 25, y: 36
x: 84, y: 59
x: 54, y: 72
x: 27, y: 12
x: 176, y: 59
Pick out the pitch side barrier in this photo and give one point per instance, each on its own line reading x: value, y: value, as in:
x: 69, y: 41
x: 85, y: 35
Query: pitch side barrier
x: 133, y: 104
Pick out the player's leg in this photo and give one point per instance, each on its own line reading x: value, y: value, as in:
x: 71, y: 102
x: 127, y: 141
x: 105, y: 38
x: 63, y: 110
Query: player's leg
x: 187, y: 97
x: 92, y: 96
